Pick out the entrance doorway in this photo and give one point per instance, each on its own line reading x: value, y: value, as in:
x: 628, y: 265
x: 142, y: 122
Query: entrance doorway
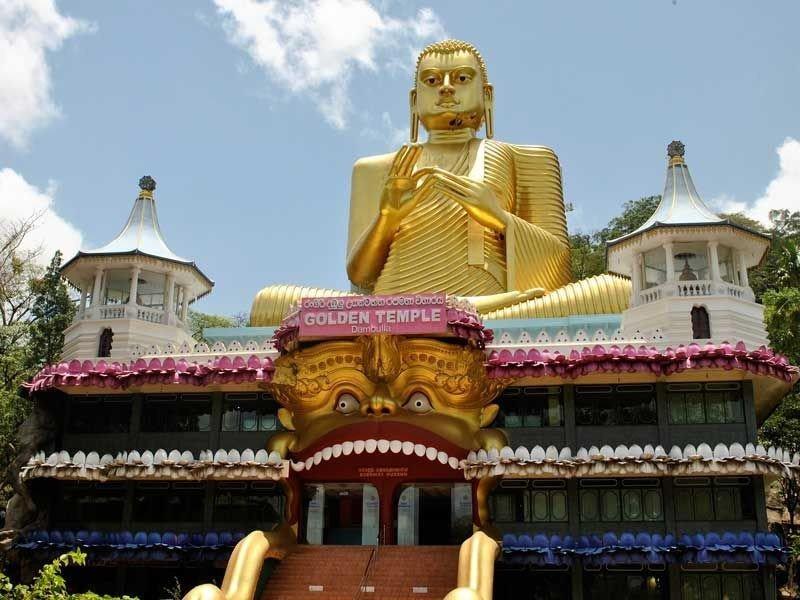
x: 523, y: 583
x: 341, y: 514
x: 437, y: 514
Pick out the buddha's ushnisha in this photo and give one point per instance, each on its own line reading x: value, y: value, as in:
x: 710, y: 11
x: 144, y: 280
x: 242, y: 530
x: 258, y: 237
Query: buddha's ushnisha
x: 460, y: 214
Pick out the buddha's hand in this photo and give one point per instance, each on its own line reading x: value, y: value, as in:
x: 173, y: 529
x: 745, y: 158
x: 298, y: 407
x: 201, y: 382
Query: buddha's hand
x: 399, y: 192
x: 476, y: 197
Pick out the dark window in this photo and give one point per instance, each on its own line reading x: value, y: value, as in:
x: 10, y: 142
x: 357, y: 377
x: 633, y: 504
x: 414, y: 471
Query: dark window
x: 100, y: 414
x: 249, y: 412
x: 701, y: 326
x: 615, y: 404
x: 163, y: 502
x: 523, y: 501
x: 258, y: 504
x: 106, y: 339
x: 691, y: 403
x: 614, y: 500
x: 178, y: 413
x: 710, y: 586
x: 625, y: 586
x: 88, y: 502
x: 531, y: 407
x: 714, y: 499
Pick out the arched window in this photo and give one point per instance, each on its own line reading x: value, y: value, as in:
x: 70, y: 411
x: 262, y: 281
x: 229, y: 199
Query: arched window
x: 106, y: 337
x: 701, y: 326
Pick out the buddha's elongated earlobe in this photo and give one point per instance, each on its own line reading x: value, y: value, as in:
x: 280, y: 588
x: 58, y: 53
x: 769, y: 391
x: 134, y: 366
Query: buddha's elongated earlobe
x: 488, y: 109
x: 414, y: 124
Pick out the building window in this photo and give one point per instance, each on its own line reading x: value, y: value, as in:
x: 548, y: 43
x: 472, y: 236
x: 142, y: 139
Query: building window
x: 531, y: 407
x: 691, y: 403
x: 641, y: 585
x: 100, y: 414
x: 701, y: 326
x: 176, y: 413
x: 104, y: 346
x: 615, y: 404
x: 536, y: 501
x: 164, y: 502
x: 257, y: 504
x: 81, y: 503
x: 707, y: 586
x: 628, y: 500
x: 249, y: 412
x: 714, y: 499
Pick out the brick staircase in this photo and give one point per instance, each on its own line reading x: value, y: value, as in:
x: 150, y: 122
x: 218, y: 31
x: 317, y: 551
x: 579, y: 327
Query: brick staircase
x: 336, y: 573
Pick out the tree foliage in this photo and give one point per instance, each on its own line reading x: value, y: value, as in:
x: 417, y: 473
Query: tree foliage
x: 50, y: 584
x: 51, y: 313
x: 199, y: 322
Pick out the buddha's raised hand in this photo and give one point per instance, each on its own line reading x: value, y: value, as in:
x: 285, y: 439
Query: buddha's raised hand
x: 476, y: 197
x: 398, y: 197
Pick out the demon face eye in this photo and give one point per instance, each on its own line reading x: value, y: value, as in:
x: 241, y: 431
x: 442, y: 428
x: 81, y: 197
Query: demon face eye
x: 418, y: 403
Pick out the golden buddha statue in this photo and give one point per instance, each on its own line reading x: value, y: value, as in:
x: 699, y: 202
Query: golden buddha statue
x: 471, y: 217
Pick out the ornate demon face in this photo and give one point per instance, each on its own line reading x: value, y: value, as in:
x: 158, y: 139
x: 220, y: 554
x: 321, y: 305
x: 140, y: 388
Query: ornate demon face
x: 375, y: 385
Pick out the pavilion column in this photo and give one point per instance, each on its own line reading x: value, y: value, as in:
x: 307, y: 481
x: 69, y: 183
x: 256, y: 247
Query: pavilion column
x: 713, y: 258
x: 636, y: 278
x: 82, y: 305
x: 169, y: 288
x: 668, y: 249
x: 184, y: 304
x: 744, y: 279
x: 135, y: 272
x: 96, y: 289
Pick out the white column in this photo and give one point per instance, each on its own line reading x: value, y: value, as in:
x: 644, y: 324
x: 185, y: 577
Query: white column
x: 98, y: 281
x: 636, y: 278
x: 184, y: 304
x: 135, y: 272
x: 713, y: 258
x: 169, y: 287
x: 82, y: 304
x: 668, y: 249
x: 744, y: 279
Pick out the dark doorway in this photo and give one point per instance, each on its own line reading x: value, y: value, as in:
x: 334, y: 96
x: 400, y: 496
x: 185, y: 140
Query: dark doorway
x: 434, y: 514
x: 434, y: 517
x: 625, y: 585
x: 340, y: 514
x: 701, y: 325
x: 106, y: 338
x: 522, y: 583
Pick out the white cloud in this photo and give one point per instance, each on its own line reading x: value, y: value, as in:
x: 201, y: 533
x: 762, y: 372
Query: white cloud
x: 783, y: 192
x: 312, y: 47
x: 20, y: 200
x: 28, y: 29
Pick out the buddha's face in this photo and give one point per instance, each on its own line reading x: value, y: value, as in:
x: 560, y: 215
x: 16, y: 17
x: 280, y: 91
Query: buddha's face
x: 450, y: 91
x: 416, y: 390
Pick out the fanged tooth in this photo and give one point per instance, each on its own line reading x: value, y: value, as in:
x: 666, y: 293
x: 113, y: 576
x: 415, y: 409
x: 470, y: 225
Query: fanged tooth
x: 309, y: 463
x: 431, y: 453
x: 326, y: 453
x: 337, y: 450
x: 442, y: 458
x: 371, y: 446
x: 453, y: 462
x: 317, y: 457
x: 358, y: 446
x: 419, y: 450
x: 408, y: 448
x: 396, y: 446
x: 298, y: 466
x: 347, y: 448
x: 383, y: 446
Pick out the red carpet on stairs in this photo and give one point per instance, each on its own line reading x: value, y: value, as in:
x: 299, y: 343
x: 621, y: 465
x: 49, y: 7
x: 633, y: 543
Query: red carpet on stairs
x: 336, y: 573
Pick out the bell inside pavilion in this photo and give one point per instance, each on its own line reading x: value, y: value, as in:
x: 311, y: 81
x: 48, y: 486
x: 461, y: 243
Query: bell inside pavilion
x: 465, y: 422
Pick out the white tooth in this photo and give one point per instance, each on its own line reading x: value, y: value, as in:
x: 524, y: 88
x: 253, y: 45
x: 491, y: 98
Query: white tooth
x: 298, y: 466
x: 317, y: 457
x: 326, y: 453
x: 408, y: 448
x: 347, y: 448
x: 309, y: 463
x: 442, y: 457
x: 383, y: 446
x: 453, y: 462
x: 419, y: 450
x: 358, y: 446
x: 431, y: 453
x: 396, y: 446
x: 337, y: 450
x: 371, y: 446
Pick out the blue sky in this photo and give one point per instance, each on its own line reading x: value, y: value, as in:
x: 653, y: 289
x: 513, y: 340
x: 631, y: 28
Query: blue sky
x: 250, y: 115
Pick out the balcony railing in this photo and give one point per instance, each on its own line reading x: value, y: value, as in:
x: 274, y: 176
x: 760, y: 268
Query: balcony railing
x: 692, y: 289
x: 129, y: 311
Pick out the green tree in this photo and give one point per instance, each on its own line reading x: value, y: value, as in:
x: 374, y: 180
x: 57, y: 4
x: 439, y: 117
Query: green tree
x: 51, y: 314
x: 50, y: 584
x: 199, y: 322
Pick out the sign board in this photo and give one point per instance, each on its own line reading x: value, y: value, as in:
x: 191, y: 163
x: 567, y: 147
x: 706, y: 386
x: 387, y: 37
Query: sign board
x: 349, y: 316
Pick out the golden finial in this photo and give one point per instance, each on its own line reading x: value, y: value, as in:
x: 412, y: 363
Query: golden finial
x: 675, y: 151
x: 147, y: 186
